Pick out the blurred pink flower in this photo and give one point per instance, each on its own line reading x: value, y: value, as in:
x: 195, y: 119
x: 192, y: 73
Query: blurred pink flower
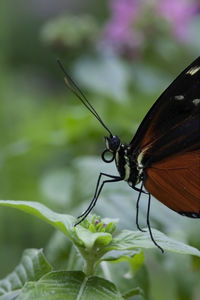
x: 178, y: 13
x: 119, y: 32
x: 132, y: 22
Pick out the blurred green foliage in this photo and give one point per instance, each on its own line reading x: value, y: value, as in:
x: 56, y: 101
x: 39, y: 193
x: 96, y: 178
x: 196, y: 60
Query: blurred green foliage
x: 50, y: 145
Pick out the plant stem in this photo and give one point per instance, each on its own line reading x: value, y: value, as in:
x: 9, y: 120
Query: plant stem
x: 90, y: 260
x: 89, y: 267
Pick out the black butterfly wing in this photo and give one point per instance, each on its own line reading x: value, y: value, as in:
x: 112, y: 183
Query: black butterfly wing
x: 167, y: 144
x: 173, y: 122
x: 182, y: 138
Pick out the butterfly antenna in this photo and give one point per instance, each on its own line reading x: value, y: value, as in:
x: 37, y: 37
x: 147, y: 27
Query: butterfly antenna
x: 79, y: 94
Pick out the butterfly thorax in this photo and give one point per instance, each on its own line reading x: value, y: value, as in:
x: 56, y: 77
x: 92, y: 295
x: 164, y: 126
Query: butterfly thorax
x: 127, y: 165
x: 127, y: 161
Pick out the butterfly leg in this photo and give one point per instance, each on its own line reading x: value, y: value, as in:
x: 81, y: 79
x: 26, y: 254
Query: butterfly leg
x: 96, y: 190
x: 149, y: 226
x: 97, y: 193
x: 137, y: 207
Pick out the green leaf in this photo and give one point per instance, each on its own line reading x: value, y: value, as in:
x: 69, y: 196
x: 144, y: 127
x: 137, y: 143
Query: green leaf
x: 71, y: 286
x: 33, y: 266
x: 65, y: 223
x: 127, y: 240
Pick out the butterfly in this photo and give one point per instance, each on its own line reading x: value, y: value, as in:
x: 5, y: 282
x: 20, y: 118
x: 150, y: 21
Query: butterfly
x: 164, y: 154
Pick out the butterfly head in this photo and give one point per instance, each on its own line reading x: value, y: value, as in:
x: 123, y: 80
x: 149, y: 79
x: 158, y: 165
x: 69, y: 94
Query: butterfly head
x: 112, y: 146
x: 112, y: 143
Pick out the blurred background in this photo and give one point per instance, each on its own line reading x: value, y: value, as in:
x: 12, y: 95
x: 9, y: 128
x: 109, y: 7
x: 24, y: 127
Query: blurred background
x: 123, y: 54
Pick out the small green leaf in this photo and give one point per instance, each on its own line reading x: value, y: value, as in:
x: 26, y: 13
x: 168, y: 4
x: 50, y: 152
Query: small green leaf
x: 92, y: 228
x: 127, y: 240
x: 33, y: 266
x: 72, y: 285
x: 111, y: 227
x: 89, y: 238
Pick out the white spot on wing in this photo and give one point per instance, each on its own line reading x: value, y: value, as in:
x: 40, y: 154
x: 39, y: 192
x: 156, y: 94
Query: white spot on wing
x: 179, y: 97
x: 196, y: 102
x: 193, y: 70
